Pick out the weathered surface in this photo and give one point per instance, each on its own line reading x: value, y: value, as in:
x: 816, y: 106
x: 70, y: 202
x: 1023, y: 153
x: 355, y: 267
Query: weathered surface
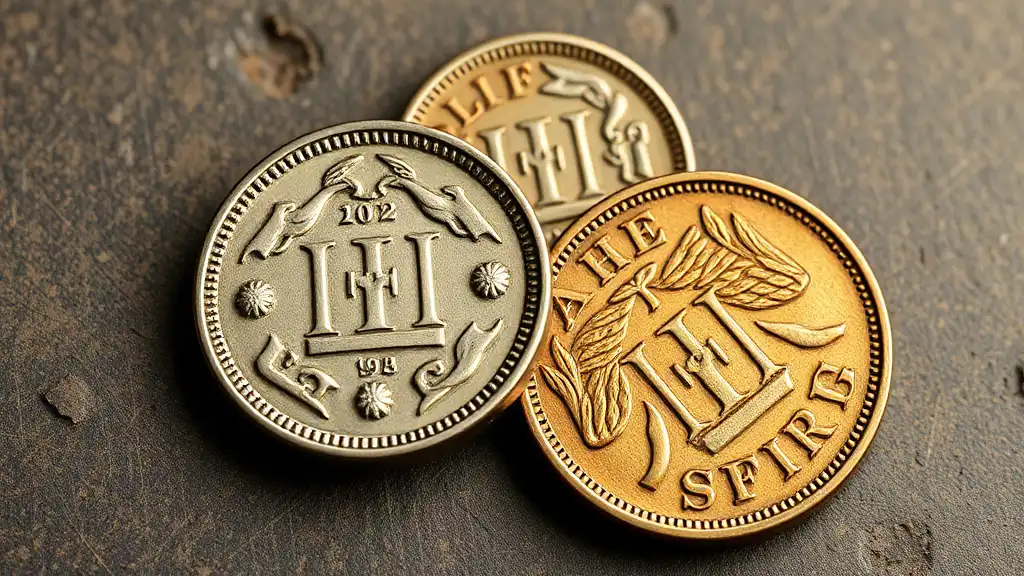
x: 72, y: 398
x: 124, y: 124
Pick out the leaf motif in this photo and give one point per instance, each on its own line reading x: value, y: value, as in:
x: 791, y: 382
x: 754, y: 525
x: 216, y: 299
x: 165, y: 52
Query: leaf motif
x: 757, y: 244
x: 336, y: 174
x: 562, y: 386
x: 668, y: 272
x: 588, y: 378
x: 623, y: 292
x: 603, y: 332
x: 677, y: 281
x: 717, y: 264
x: 398, y: 166
x: 715, y: 227
x: 564, y: 360
x: 745, y: 270
x: 802, y: 335
x: 608, y: 405
x: 600, y: 396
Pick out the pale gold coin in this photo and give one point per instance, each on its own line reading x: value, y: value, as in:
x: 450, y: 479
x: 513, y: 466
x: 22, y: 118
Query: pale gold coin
x: 717, y: 359
x: 570, y: 119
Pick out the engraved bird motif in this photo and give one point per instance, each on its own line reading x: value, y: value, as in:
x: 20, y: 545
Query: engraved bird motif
x: 287, y: 222
x: 450, y: 206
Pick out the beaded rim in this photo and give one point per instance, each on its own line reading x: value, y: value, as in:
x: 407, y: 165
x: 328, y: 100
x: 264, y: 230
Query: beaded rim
x: 504, y: 385
x: 558, y: 44
x: 880, y: 365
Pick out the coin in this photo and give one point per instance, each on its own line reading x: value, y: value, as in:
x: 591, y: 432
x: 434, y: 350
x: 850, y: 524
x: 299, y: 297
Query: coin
x: 571, y: 119
x: 717, y: 359
x: 373, y: 289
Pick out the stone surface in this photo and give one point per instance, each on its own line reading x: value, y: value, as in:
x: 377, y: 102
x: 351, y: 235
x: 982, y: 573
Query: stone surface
x: 124, y: 124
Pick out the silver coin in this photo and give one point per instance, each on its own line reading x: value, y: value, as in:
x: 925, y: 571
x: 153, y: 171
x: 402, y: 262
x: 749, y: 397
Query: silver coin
x: 373, y: 289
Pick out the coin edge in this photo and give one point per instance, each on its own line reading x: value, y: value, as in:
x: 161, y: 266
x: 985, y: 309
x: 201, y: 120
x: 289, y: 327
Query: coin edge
x: 479, y: 416
x: 642, y: 518
x: 426, y: 90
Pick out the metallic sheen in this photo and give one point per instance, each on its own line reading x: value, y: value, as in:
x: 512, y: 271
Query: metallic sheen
x: 748, y: 326
x: 335, y: 298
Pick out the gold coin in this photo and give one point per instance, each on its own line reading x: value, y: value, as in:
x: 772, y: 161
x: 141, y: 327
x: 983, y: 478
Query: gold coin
x: 570, y: 119
x: 717, y: 358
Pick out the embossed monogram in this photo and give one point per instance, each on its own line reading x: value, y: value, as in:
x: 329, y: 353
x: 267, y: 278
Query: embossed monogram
x: 745, y: 271
x: 374, y: 284
x: 627, y: 145
x: 726, y: 267
x: 373, y: 289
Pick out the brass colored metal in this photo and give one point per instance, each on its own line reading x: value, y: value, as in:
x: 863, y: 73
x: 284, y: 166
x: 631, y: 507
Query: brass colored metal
x: 570, y: 119
x: 717, y: 358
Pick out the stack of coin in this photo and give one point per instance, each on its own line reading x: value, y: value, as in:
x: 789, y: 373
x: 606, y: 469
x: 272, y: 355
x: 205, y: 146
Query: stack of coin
x: 704, y: 354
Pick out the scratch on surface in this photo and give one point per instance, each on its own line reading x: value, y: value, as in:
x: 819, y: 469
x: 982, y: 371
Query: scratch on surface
x: 994, y: 79
x: 477, y: 519
x: 160, y: 549
x: 42, y: 194
x: 85, y: 542
x: 291, y: 505
x: 146, y: 131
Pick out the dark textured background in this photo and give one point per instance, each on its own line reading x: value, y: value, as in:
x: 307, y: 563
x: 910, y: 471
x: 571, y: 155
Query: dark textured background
x: 124, y: 125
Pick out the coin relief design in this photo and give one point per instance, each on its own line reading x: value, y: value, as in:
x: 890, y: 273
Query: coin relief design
x: 570, y: 119
x: 718, y: 359
x: 491, y: 280
x: 344, y: 235
x: 255, y: 299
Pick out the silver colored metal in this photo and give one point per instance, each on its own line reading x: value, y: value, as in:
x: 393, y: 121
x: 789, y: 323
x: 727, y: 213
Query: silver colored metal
x: 490, y: 280
x: 375, y: 400
x: 255, y: 299
x: 370, y: 352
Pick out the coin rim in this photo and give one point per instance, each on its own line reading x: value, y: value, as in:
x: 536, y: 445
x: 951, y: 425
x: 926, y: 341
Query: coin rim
x: 501, y: 398
x: 491, y: 50
x: 650, y: 520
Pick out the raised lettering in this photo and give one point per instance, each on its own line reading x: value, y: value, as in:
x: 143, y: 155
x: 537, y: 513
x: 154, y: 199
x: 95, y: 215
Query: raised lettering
x: 518, y: 77
x: 494, y: 141
x: 741, y: 475
x: 428, y: 301
x: 459, y: 111
x: 484, y: 88
x: 542, y: 160
x: 780, y: 458
x: 568, y: 304
x: 601, y: 254
x: 697, y: 482
x: 372, y: 282
x: 588, y: 176
x: 701, y: 362
x: 637, y: 358
x: 644, y: 237
x: 803, y: 436
x: 820, y: 389
x: 322, y: 325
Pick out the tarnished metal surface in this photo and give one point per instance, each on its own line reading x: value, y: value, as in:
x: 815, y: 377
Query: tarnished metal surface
x: 124, y: 125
